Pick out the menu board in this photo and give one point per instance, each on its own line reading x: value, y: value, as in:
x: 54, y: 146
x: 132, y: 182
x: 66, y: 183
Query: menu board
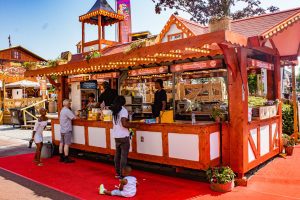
x: 148, y: 71
x: 90, y: 85
x: 105, y: 75
x: 252, y: 64
x: 209, y: 64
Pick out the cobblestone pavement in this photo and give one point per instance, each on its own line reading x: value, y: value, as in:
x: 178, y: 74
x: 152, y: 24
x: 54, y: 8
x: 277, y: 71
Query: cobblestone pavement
x: 12, y: 142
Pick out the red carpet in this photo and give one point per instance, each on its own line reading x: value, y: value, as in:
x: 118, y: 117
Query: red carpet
x: 280, y: 179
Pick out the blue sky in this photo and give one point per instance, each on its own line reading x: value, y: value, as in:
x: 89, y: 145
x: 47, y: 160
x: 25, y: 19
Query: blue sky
x: 49, y: 27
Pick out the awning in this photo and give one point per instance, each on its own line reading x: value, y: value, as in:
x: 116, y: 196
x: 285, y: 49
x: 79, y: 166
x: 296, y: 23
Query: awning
x: 153, y: 55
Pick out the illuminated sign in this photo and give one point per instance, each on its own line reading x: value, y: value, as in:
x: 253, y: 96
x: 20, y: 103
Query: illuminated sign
x: 253, y: 64
x: 148, y: 71
x: 197, y: 66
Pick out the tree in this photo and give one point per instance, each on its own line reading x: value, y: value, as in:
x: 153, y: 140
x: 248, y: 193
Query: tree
x: 202, y: 10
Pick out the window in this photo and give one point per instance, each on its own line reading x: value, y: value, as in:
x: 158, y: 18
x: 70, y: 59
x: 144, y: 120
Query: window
x: 15, y: 55
x: 176, y: 36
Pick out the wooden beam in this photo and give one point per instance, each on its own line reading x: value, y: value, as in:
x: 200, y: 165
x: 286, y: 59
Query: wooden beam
x: 61, y: 92
x: 103, y: 32
x: 99, y: 32
x: 83, y: 37
x: 295, y: 102
x: 56, y: 85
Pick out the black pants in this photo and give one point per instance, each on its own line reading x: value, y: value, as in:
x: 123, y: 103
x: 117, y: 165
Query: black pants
x: 122, y: 150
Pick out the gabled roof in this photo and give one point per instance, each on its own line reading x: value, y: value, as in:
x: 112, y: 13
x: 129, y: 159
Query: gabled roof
x: 101, y: 7
x: 25, y: 50
x: 195, y: 28
x: 249, y: 27
x: 256, y: 26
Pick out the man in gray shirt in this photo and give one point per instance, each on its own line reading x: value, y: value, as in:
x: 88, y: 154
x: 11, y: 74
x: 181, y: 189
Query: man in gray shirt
x: 66, y: 117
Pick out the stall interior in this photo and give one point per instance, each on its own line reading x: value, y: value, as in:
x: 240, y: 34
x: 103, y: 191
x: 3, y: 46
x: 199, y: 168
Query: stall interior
x: 189, y: 93
x: 261, y: 101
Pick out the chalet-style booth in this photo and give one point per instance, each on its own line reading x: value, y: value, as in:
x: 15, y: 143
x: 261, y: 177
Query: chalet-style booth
x: 238, y: 142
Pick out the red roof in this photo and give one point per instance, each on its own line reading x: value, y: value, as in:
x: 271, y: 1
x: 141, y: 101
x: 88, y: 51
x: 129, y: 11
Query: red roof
x: 255, y: 26
x: 249, y: 27
x: 196, y: 28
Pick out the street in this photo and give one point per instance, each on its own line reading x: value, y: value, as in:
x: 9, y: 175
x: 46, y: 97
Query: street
x: 14, y: 142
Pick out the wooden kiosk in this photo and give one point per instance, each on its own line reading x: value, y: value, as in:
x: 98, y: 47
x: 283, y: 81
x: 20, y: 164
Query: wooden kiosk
x: 238, y: 143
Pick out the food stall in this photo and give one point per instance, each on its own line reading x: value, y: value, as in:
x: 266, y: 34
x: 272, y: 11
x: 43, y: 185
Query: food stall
x: 199, y: 73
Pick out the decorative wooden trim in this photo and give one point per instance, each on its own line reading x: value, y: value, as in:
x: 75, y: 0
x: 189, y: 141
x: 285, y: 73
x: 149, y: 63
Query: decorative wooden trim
x: 171, y: 35
x: 253, y: 147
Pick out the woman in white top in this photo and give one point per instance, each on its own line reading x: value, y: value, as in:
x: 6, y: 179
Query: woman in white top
x: 37, y: 135
x: 121, y: 134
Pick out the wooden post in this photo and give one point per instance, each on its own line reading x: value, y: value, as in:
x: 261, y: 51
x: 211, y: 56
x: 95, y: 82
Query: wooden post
x: 99, y: 32
x: 120, y: 32
x: 295, y: 102
x: 238, y: 108
x: 277, y: 93
x: 83, y: 38
x: 61, y: 93
x: 103, y: 32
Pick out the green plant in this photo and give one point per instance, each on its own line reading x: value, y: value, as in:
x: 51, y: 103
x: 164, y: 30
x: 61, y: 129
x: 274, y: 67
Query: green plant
x: 51, y: 63
x: 135, y: 45
x: 287, y: 119
x: 92, y: 54
x: 220, y: 175
x: 218, y: 113
x: 252, y: 83
x: 256, y: 101
x: 288, y: 141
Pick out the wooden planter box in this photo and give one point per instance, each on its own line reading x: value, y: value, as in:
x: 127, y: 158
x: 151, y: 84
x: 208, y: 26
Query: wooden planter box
x: 264, y: 112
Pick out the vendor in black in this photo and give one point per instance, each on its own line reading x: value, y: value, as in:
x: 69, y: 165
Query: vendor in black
x: 160, y: 99
x: 108, y: 96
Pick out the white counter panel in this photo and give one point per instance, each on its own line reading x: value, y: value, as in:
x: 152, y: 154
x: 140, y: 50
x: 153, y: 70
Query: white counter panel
x: 113, y: 143
x: 57, y: 132
x: 78, y: 135
x: 97, y: 137
x: 149, y: 143
x: 214, y: 145
x: 264, y: 140
x: 184, y: 146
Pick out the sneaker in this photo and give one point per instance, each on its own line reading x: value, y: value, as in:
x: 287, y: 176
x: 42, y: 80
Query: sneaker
x: 68, y: 160
x: 102, y: 189
x: 117, y: 176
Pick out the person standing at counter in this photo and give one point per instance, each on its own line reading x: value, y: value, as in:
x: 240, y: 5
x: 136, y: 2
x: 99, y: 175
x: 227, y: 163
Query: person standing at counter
x: 108, y: 96
x: 160, y: 98
x: 66, y: 117
x: 92, y: 103
x: 121, y: 134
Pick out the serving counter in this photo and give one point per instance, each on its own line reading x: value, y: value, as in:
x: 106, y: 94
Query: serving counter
x: 178, y: 144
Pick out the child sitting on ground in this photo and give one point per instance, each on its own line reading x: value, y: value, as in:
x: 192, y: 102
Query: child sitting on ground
x: 127, y: 187
x: 37, y: 135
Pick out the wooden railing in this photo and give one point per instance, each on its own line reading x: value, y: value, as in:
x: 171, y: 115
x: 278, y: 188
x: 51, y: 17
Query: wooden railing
x: 19, y: 103
x: 37, y: 104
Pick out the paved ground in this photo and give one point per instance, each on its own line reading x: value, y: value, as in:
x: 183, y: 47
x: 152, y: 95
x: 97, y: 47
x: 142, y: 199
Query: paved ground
x: 13, y: 142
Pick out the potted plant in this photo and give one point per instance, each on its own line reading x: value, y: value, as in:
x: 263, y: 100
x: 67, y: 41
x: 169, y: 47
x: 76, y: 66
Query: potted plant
x: 218, y: 114
x: 289, y: 144
x: 221, y: 178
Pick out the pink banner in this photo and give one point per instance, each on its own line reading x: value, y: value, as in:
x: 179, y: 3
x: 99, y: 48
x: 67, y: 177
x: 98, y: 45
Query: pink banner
x: 124, y: 8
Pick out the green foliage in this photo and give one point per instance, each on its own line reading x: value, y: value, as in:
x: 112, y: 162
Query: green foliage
x: 220, y: 175
x: 218, y: 113
x: 287, y: 119
x: 92, y: 55
x: 288, y: 141
x: 256, y: 101
x: 252, y: 83
x: 136, y: 45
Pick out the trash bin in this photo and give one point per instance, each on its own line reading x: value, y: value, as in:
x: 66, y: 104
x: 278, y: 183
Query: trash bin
x: 17, y: 116
x: 47, y: 150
